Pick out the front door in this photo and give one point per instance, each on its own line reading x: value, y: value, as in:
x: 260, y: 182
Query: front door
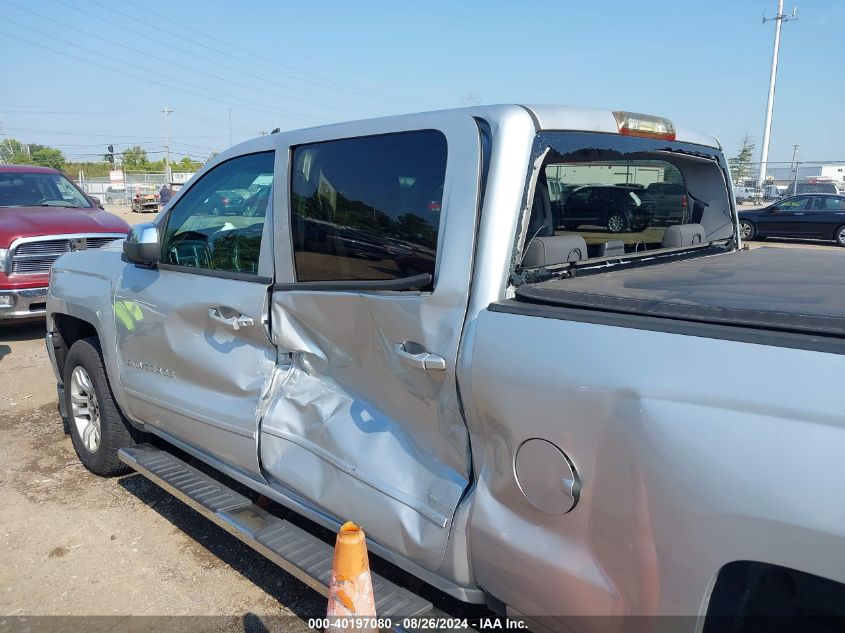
x: 366, y: 424
x: 194, y: 348
x: 785, y: 218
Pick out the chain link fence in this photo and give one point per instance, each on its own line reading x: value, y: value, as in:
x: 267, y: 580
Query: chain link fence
x: 789, y: 178
x: 133, y: 183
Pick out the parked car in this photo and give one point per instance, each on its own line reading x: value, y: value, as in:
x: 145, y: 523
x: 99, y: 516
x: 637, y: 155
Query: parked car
x: 773, y: 192
x: 814, y: 186
x: 115, y: 195
x: 818, y: 217
x: 750, y: 195
x: 146, y: 199
x: 533, y: 427
x: 669, y: 201
x: 611, y: 207
x: 227, y: 201
x: 43, y: 215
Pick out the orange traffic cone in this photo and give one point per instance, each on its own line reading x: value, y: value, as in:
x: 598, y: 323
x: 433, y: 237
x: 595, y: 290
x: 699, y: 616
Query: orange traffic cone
x: 352, y: 606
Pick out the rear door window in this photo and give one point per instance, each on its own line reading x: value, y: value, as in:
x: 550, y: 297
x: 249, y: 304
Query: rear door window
x: 828, y: 203
x: 367, y: 209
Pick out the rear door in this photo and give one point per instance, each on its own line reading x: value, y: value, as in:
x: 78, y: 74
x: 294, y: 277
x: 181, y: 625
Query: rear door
x: 365, y: 423
x: 825, y: 216
x: 191, y: 334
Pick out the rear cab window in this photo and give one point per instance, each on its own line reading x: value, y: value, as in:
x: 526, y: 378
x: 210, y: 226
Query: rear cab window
x: 624, y: 201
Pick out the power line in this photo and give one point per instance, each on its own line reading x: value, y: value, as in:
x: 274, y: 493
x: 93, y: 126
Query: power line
x: 126, y: 73
x: 178, y: 82
x: 102, y: 134
x: 309, y: 77
x: 146, y: 53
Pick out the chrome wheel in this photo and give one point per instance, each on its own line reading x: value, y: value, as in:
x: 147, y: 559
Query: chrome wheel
x: 840, y: 235
x: 616, y: 223
x: 85, y: 409
x: 746, y: 231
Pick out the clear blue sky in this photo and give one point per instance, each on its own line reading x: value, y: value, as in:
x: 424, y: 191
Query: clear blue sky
x: 112, y: 65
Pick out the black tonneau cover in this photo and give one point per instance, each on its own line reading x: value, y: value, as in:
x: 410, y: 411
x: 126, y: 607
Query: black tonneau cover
x: 789, y: 289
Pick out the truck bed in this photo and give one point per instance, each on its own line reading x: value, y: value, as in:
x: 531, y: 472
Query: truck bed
x: 794, y: 291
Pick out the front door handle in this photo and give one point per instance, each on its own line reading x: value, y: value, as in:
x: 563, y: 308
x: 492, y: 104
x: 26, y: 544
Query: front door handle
x: 415, y: 356
x: 235, y: 322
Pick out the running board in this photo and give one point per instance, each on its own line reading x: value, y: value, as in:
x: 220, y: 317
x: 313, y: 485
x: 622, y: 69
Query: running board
x: 293, y: 549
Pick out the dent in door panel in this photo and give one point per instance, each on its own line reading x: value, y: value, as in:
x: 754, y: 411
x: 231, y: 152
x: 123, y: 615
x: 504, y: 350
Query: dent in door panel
x: 324, y: 439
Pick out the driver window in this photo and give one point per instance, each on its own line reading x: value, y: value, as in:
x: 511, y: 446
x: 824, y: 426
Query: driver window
x: 795, y: 204
x: 218, y: 223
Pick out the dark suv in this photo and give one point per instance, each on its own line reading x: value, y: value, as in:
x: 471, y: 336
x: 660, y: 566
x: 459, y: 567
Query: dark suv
x: 613, y: 207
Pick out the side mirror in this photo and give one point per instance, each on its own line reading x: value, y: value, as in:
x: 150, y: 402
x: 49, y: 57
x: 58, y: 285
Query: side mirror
x: 142, y: 246
x: 97, y: 202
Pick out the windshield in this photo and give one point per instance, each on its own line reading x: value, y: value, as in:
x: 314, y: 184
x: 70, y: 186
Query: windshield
x: 20, y: 189
x: 600, y: 196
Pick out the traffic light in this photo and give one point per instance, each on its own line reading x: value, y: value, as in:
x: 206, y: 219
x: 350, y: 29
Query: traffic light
x: 110, y: 156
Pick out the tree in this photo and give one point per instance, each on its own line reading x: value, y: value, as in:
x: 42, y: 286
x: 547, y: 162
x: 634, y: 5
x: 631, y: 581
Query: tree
x: 741, y: 164
x: 135, y: 159
x: 15, y: 152
x: 186, y: 164
x: 47, y: 156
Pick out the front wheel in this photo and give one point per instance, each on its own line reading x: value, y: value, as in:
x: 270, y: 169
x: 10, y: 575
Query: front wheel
x: 839, y: 236
x: 98, y: 430
x: 747, y: 231
x: 616, y: 222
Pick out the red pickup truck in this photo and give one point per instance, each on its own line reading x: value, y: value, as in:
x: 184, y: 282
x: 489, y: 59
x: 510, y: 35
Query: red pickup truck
x: 43, y: 215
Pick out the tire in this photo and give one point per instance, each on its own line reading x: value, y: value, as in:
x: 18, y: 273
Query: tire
x: 616, y: 222
x: 839, y: 236
x: 747, y: 230
x: 86, y: 389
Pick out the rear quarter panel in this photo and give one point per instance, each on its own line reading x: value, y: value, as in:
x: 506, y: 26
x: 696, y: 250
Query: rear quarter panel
x: 692, y: 452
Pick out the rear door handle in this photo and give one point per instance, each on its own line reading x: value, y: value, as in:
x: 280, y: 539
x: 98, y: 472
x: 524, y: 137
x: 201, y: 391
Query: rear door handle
x: 418, y: 358
x: 234, y: 322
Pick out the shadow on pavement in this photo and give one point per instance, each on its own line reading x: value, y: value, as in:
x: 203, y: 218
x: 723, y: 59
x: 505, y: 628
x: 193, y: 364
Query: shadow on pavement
x: 281, y: 586
x: 29, y: 330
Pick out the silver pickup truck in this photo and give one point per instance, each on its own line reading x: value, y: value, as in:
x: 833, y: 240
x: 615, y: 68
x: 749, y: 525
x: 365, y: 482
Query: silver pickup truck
x: 554, y: 407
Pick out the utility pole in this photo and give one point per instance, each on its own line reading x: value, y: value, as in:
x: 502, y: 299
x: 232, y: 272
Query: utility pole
x: 230, y: 127
x: 168, y: 176
x: 779, y: 19
x: 795, y: 162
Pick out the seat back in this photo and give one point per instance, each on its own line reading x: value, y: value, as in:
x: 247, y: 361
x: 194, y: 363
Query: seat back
x: 541, y: 222
x: 683, y: 235
x: 554, y: 249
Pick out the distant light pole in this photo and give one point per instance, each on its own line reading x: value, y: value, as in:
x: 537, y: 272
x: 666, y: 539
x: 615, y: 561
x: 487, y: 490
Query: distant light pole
x: 230, y: 127
x: 168, y: 176
x: 779, y: 19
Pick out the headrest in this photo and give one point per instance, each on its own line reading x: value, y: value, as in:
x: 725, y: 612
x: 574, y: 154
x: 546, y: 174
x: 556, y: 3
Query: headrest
x: 683, y: 235
x: 556, y: 249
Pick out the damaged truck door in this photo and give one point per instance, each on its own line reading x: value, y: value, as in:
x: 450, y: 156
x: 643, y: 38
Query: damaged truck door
x: 194, y: 354
x: 365, y: 421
